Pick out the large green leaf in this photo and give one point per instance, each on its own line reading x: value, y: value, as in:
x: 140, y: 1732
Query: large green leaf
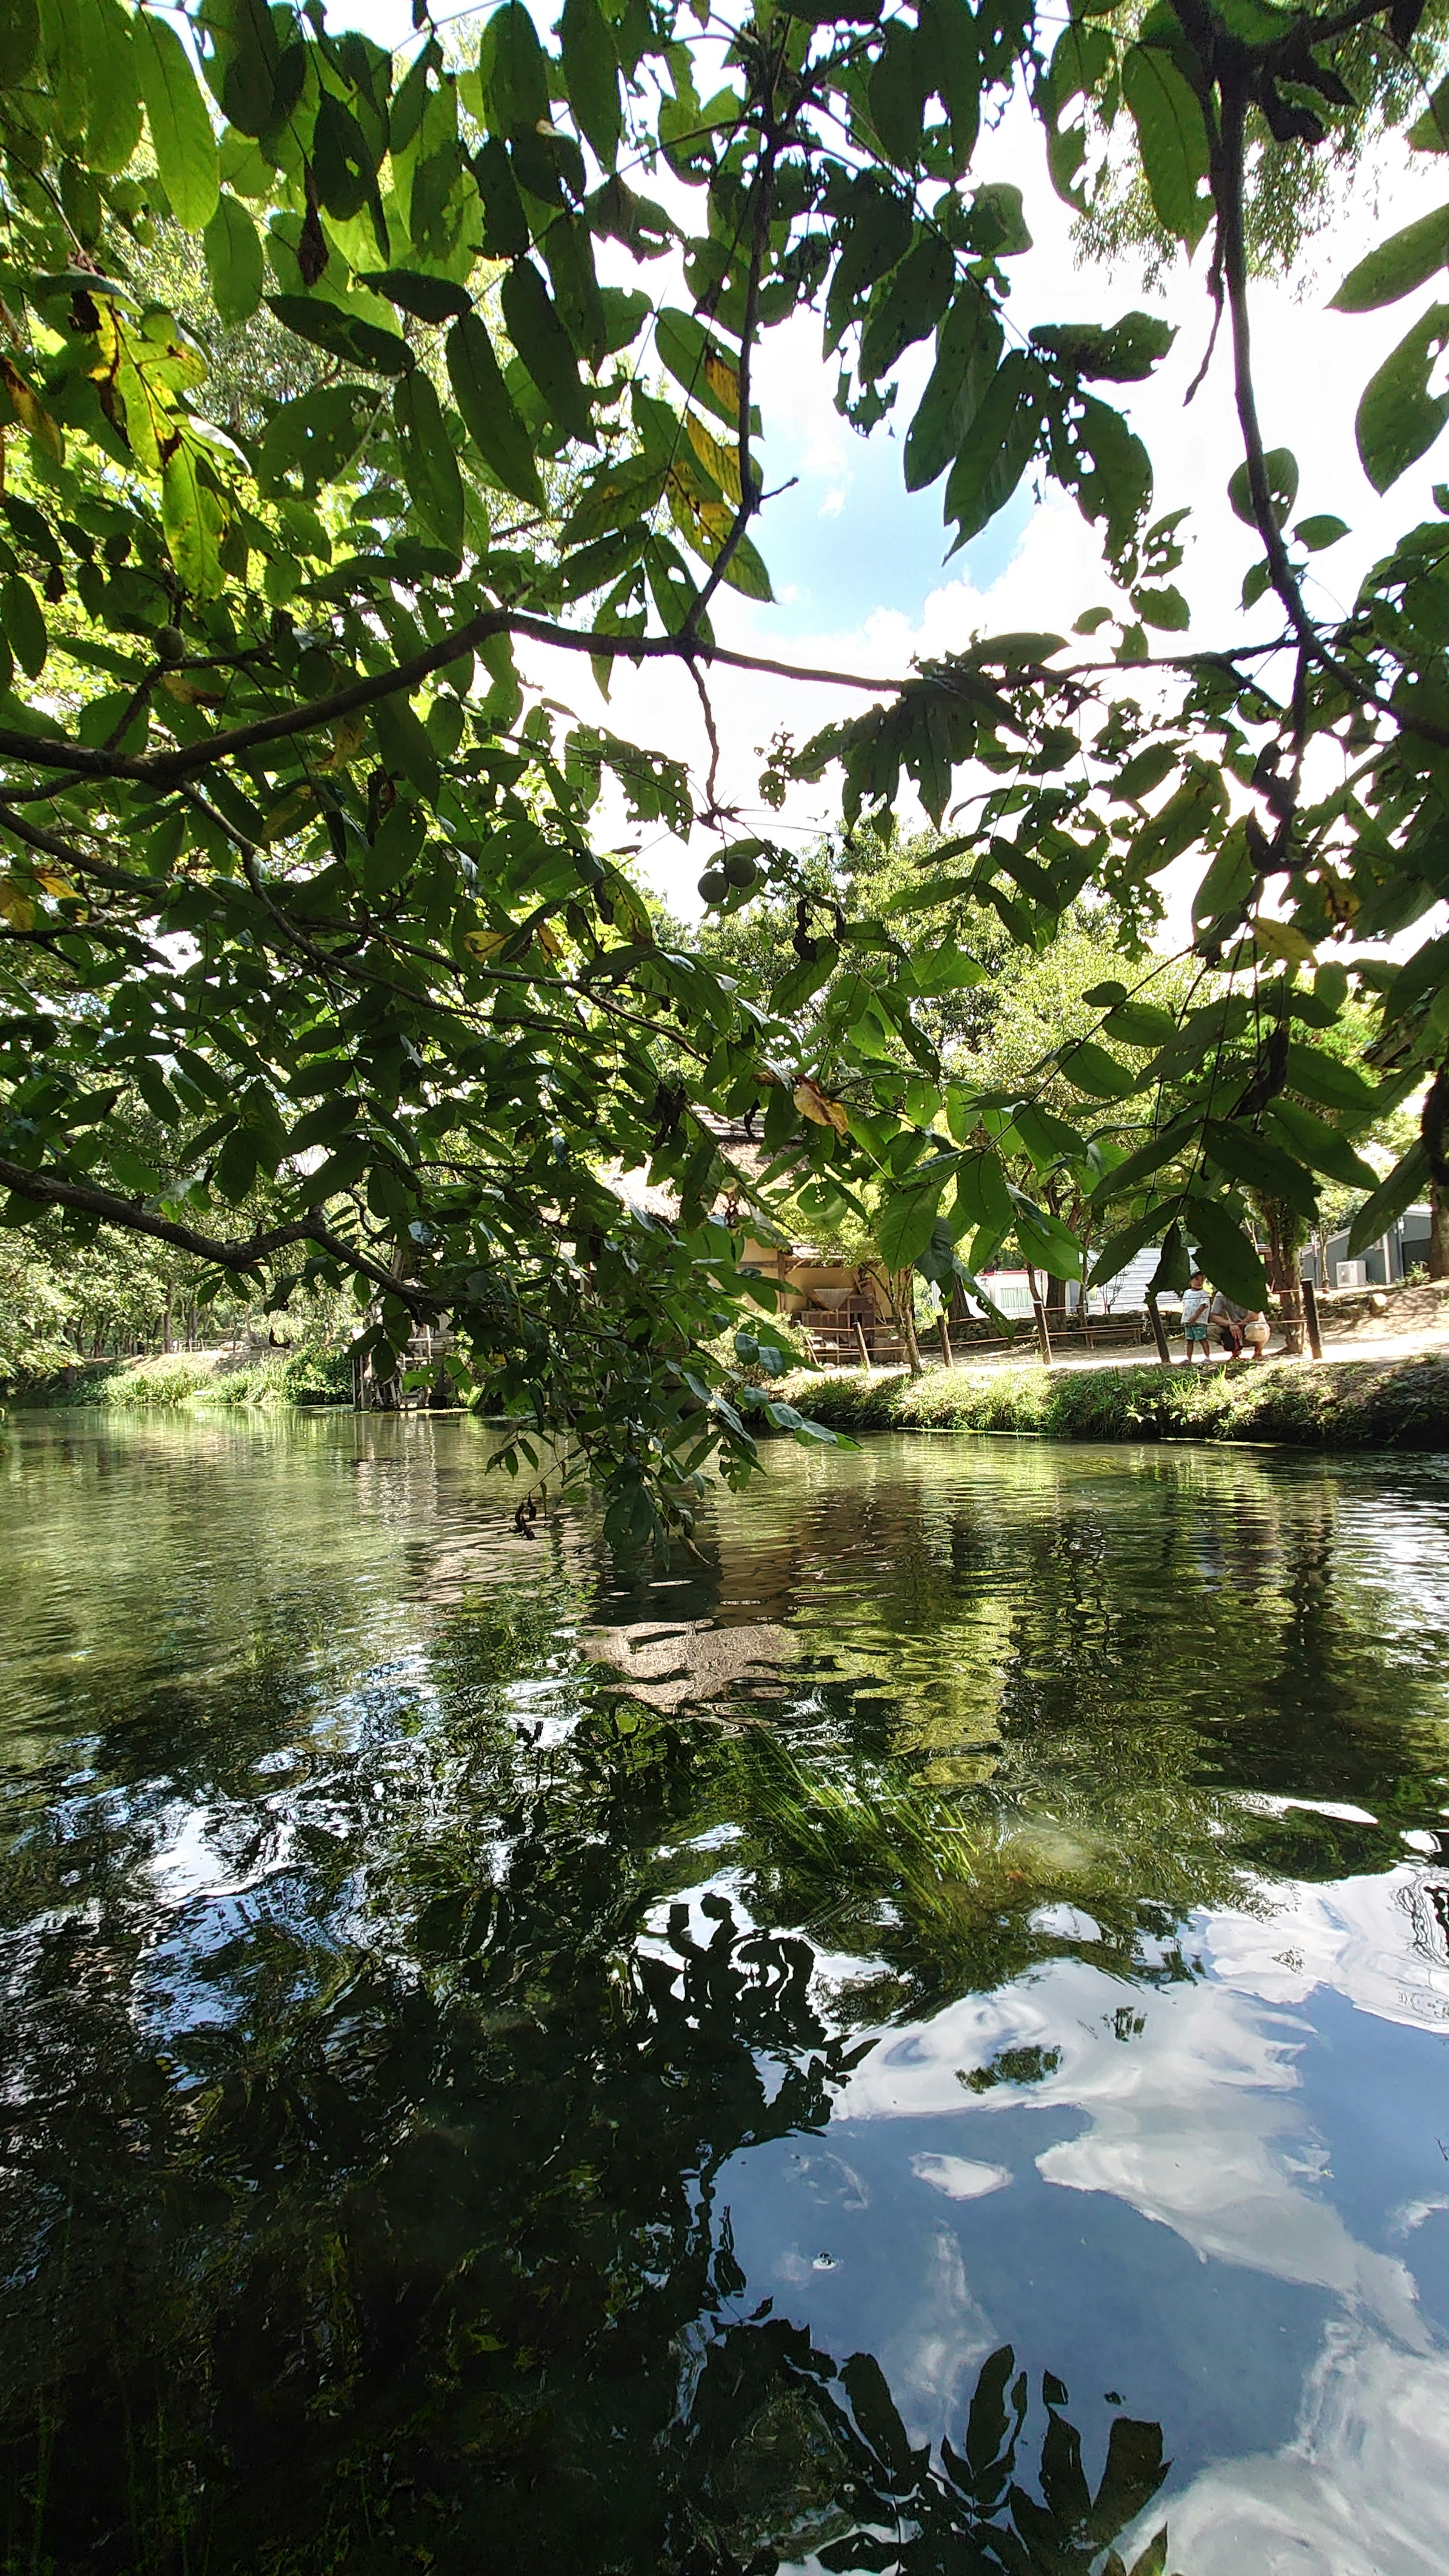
x: 908, y: 1218
x: 513, y: 70
x: 19, y: 40
x: 233, y: 261
x: 998, y: 447
x: 591, y: 72
x: 1224, y: 1252
x: 1328, y: 1079
x: 544, y: 345
x: 1397, y: 265
x: 968, y: 347
x: 181, y: 129
x: 1409, y: 1177
x: 1321, y: 1147
x: 430, y: 469
x: 1280, y: 473
x: 1398, y: 417
x: 1260, y: 1165
x: 489, y: 414
x: 1172, y: 138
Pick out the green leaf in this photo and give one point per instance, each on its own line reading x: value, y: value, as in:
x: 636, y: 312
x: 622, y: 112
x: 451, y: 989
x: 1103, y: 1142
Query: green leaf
x: 191, y: 514
x: 1328, y: 1079
x: 115, y: 124
x: 982, y: 1199
x: 513, y: 69
x: 1129, y: 1240
x: 24, y: 622
x: 430, y: 468
x: 1166, y: 609
x: 1145, y: 1159
x: 1094, y: 1071
x: 1397, y: 266
x: 544, y: 345
x: 907, y: 305
x: 998, y: 447
x: 908, y: 1218
x: 1139, y: 1024
x: 968, y: 346
x: 1321, y: 1147
x: 1172, y: 138
x: 1046, y: 1243
x: 1398, y: 417
x: 1280, y: 467
x: 343, y: 335
x: 233, y: 262
x: 947, y: 969
x: 1120, y: 353
x: 1225, y: 1253
x: 489, y: 414
x: 1320, y: 531
x: 1260, y: 1165
x: 1405, y: 1183
x: 429, y: 299
x: 403, y: 743
x: 181, y: 130
x: 591, y: 75
x: 19, y: 41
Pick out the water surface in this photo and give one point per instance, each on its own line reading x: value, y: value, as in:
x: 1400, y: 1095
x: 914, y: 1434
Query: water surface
x: 914, y: 2040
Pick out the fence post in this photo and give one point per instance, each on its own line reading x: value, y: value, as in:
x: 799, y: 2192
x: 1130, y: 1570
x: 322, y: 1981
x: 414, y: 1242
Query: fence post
x: 947, y: 1361
x: 1158, y: 1333
x: 860, y: 1344
x: 1310, y: 1317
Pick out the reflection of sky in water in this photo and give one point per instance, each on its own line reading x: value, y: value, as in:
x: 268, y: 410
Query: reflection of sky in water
x: 1255, y: 2163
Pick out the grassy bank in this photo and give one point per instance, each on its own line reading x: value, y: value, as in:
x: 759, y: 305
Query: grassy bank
x: 304, y: 1376
x: 1341, y: 1404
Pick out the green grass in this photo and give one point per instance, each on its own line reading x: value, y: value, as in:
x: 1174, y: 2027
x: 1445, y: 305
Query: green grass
x: 1338, y: 1404
x: 303, y: 1376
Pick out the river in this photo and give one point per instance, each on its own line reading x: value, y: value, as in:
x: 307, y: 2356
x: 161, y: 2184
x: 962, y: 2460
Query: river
x: 916, y: 2039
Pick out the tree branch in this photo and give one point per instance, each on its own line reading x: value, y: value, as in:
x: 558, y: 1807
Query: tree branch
x: 47, y: 1190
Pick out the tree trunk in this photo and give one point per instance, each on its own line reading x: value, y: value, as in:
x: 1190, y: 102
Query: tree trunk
x: 1438, y: 1231
x: 1286, y: 1234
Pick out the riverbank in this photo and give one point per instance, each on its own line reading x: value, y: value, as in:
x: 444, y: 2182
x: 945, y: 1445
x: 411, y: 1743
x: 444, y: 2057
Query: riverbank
x: 308, y: 1375
x: 1400, y: 1403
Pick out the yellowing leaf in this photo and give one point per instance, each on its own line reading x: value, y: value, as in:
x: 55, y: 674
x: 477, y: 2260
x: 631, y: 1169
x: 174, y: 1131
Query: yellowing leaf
x: 816, y: 1105
x: 187, y: 694
x: 723, y: 463
x: 348, y: 736
x: 483, y: 944
x: 31, y: 413
x: 549, y: 941
x: 1281, y: 939
x: 723, y: 380
x: 57, y: 886
x: 15, y: 905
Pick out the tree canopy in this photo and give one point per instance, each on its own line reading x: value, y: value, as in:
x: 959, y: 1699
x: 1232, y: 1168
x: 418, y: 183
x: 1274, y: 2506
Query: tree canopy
x: 321, y: 394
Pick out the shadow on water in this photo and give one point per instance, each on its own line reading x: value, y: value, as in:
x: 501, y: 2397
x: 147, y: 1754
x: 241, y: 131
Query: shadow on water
x: 416, y: 2009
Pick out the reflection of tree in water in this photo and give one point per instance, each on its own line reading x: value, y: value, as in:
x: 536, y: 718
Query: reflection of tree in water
x: 408, y: 2244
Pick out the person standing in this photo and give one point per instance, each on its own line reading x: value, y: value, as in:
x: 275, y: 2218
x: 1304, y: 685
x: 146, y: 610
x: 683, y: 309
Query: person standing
x: 1195, y: 1307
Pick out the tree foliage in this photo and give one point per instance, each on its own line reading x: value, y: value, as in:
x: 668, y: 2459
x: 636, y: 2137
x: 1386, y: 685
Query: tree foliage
x: 293, y: 851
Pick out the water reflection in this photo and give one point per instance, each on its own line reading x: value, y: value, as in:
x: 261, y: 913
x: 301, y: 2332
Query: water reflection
x: 511, y: 2066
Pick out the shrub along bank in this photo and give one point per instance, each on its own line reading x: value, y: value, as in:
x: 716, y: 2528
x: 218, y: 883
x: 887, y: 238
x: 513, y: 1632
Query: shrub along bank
x: 1339, y: 1404
x: 308, y: 1375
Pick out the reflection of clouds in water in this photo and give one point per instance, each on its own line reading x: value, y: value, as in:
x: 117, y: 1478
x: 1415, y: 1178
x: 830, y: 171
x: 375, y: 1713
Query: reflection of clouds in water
x: 931, y: 2363
x: 1360, y: 2491
x: 1380, y: 1941
x: 1198, y: 2124
x: 959, y: 2177
x: 1195, y: 2122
